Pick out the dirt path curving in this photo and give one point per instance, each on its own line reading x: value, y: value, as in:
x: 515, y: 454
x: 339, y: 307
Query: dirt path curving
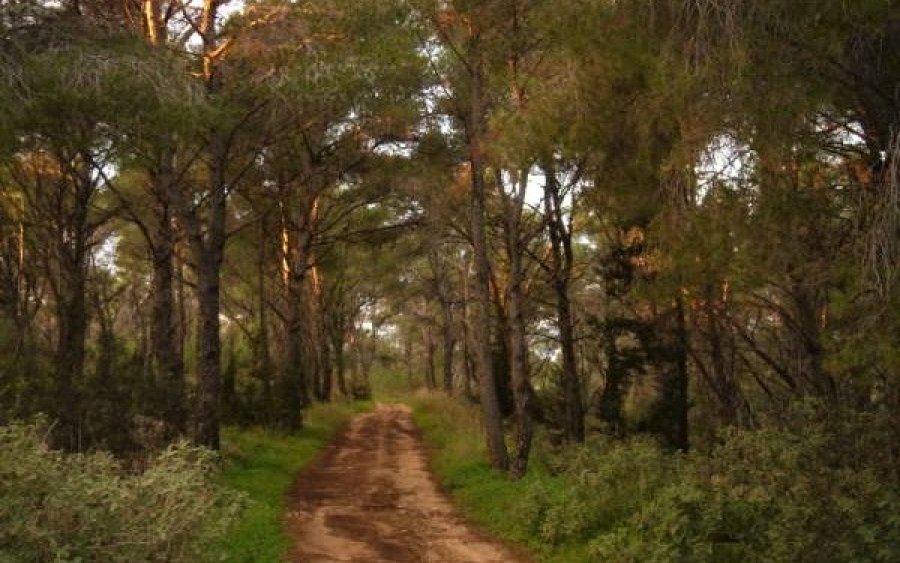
x: 370, y: 497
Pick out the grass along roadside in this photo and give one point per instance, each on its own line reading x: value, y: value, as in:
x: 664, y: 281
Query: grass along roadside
x: 262, y: 464
x: 489, y: 499
x: 769, y: 495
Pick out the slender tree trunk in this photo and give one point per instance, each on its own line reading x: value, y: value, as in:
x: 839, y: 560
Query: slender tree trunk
x: 338, y: 335
x: 518, y: 345
x: 262, y: 353
x: 609, y: 403
x: 429, y: 345
x: 70, y: 354
x: 295, y: 392
x: 561, y: 260
x: 445, y: 298
x: 208, y: 247
x: 207, y: 242
x: 72, y: 322
x: 408, y: 358
x: 166, y: 345
x: 493, y: 424
x: 673, y: 408
x: 468, y: 370
x: 327, y: 368
x: 319, y: 336
x: 210, y: 351
x: 449, y: 344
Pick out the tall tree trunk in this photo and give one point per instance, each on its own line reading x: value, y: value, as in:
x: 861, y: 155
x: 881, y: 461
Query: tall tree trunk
x: 609, y: 401
x: 69, y: 361
x: 296, y: 241
x: 468, y: 370
x: 261, y: 350
x: 445, y: 299
x: 207, y: 243
x: 449, y: 344
x: 338, y: 335
x: 207, y: 248
x: 210, y: 350
x: 408, y: 358
x: 561, y: 260
x: 165, y: 335
x: 295, y: 388
x: 71, y: 303
x: 672, y: 415
x: 490, y: 408
x: 318, y: 337
x: 429, y: 345
x: 518, y: 345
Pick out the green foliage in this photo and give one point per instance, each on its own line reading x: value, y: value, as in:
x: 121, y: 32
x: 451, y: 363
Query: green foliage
x: 262, y: 465
x: 814, y: 494
x: 808, y: 488
x: 86, y: 507
x: 604, y: 483
x: 510, y: 509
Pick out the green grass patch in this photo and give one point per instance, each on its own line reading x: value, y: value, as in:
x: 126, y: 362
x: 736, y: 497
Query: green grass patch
x: 262, y: 464
x: 488, y: 498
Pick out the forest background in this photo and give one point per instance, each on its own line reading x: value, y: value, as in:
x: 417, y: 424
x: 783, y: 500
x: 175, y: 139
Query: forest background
x: 653, y: 238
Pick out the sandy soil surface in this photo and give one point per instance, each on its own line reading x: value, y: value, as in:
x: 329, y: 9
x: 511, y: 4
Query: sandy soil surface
x: 371, y: 497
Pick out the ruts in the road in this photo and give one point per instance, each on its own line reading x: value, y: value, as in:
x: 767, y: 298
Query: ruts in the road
x: 370, y: 497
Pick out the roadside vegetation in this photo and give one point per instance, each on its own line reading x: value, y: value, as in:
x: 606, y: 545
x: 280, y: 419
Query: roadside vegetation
x: 262, y: 466
x: 182, y: 504
x: 93, y: 507
x: 798, y: 492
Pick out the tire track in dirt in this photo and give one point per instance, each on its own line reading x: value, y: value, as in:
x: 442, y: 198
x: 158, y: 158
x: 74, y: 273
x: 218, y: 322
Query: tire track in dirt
x: 371, y: 497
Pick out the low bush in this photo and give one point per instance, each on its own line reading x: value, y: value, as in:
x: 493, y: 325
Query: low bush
x: 87, y: 507
x: 817, y: 487
x: 821, y: 490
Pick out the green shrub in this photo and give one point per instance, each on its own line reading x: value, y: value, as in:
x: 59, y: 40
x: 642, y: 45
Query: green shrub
x: 86, y: 507
x: 812, y: 493
x: 603, y: 482
x: 813, y: 485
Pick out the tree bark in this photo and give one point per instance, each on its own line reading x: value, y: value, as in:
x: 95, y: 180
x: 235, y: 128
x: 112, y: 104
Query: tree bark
x: 165, y: 334
x: 672, y: 417
x: 561, y: 261
x: 445, y: 299
x: 449, y: 344
x: 210, y: 350
x: 69, y: 359
x: 71, y: 302
x: 295, y: 388
x: 493, y: 424
x: 518, y: 344
x: 429, y: 345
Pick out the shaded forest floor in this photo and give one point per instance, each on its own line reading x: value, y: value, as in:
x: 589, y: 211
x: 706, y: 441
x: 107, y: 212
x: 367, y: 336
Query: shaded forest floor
x: 371, y: 497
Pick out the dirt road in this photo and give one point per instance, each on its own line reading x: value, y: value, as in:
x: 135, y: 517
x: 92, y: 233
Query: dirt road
x: 370, y: 497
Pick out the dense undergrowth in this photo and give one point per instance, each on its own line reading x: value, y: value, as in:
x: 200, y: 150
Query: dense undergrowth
x: 181, y: 505
x: 90, y: 507
x: 825, y: 493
